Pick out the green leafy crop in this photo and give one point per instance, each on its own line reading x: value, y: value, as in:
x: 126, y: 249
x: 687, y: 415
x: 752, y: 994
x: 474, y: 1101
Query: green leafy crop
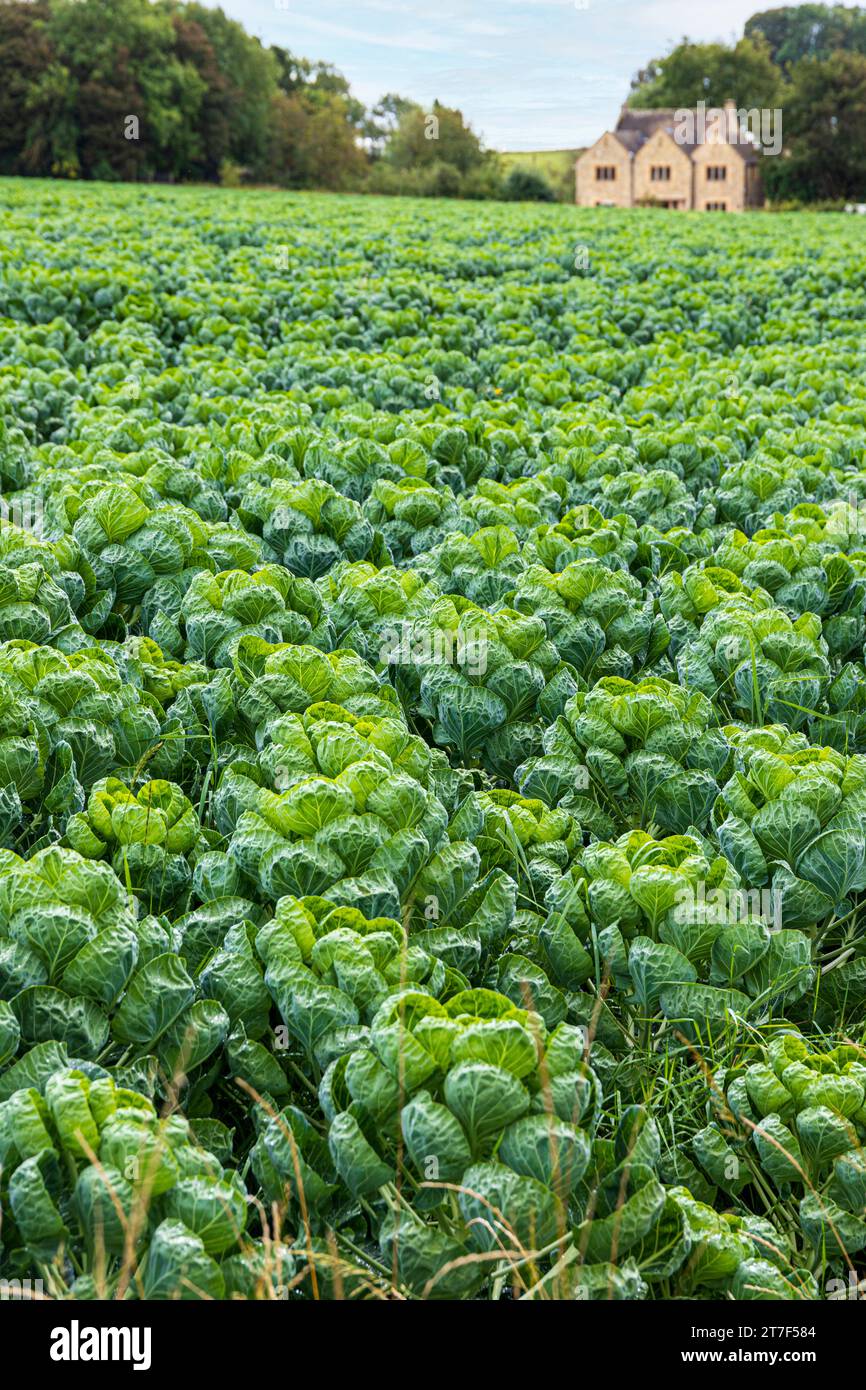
x: 432, y: 749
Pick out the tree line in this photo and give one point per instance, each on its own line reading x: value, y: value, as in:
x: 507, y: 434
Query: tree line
x: 807, y: 61
x: 134, y: 90
x: 160, y: 89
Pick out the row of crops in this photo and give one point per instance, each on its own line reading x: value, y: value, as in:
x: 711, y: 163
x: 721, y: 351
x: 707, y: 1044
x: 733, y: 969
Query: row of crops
x: 432, y: 749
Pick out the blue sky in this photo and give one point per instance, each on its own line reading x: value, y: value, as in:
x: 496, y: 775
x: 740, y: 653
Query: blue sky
x: 527, y: 74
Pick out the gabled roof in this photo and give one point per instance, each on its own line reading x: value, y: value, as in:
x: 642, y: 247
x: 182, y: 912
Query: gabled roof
x: 645, y: 123
x: 687, y: 146
x: 630, y: 139
x: 634, y: 128
x: 747, y: 152
x: 744, y: 148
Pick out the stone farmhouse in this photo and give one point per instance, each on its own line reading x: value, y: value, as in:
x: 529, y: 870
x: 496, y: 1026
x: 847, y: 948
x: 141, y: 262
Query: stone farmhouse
x: 672, y: 159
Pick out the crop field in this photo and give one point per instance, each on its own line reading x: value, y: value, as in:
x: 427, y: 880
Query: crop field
x: 433, y: 749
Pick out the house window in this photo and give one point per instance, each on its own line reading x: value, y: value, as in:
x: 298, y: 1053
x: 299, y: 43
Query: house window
x: 660, y: 173
x: 716, y: 207
x: 716, y: 173
x: 605, y: 172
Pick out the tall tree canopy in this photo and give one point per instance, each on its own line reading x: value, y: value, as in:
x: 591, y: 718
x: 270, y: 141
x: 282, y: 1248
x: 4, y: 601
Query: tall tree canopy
x: 809, y: 31
x: 710, y: 72
x: 825, y: 130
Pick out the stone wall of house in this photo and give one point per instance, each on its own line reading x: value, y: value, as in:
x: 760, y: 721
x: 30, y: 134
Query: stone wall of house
x: 754, y: 186
x: 731, y: 190
x: 661, y: 152
x: 606, y: 153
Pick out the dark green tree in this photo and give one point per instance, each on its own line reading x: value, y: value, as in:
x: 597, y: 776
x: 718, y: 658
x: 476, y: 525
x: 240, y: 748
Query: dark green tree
x: 809, y: 31
x: 437, y: 136
x: 710, y: 72
x: 824, y: 131
x: 250, y: 72
x: 526, y: 186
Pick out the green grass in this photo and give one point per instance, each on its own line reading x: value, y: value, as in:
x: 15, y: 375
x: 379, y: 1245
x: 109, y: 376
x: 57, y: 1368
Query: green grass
x: 557, y: 166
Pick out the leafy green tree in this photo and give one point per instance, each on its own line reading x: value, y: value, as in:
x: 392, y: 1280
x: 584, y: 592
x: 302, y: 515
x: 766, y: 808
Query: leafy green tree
x: 118, y: 53
x: 332, y: 152
x: 315, y: 124
x: 213, y: 124
x: 37, y: 120
x: 383, y: 120
x: 710, y: 72
x: 52, y: 129
x: 440, y: 136
x: 250, y: 73
x: 808, y: 31
x: 103, y: 110
x: 312, y: 143
x: 24, y: 59
x: 824, y: 131
x: 319, y: 82
x: 526, y: 186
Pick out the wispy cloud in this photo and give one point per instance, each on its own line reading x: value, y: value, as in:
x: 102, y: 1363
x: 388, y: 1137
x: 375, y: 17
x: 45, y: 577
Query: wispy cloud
x: 422, y: 41
x: 478, y: 26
